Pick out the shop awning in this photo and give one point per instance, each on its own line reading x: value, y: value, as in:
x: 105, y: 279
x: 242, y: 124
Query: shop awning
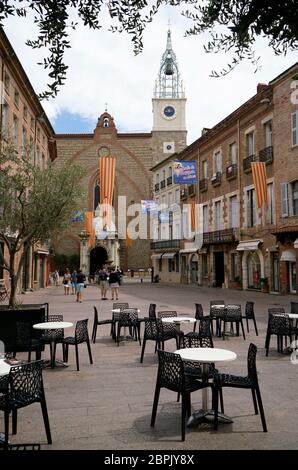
x: 288, y: 255
x: 296, y: 243
x: 168, y: 255
x: 249, y: 245
x: 188, y: 250
x: 157, y: 256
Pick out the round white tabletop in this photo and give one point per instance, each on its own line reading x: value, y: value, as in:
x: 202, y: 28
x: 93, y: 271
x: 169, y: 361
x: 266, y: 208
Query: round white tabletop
x: 217, y: 306
x: 4, y: 368
x: 293, y: 316
x: 52, y: 325
x: 118, y: 310
x: 178, y: 320
x: 206, y: 355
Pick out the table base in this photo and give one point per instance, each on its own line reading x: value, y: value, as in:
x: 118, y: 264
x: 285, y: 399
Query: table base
x: 206, y: 416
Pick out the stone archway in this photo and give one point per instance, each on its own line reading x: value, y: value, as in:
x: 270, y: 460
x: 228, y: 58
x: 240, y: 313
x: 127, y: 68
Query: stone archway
x: 245, y: 259
x: 98, y: 257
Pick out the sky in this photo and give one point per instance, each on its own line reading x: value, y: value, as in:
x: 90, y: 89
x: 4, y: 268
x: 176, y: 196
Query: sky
x: 103, y: 69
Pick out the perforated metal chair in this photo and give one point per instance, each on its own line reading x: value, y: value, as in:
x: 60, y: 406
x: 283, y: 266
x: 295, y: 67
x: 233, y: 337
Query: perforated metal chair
x: 97, y: 322
x: 250, y: 315
x: 81, y: 336
x: 279, y: 324
x: 199, y: 314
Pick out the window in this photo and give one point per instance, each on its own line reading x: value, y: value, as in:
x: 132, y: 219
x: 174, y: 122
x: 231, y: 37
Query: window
x: 233, y: 212
x: 177, y: 196
x: 289, y: 199
x: 170, y: 198
x: 205, y: 219
x: 7, y: 83
x: 268, y: 134
x: 171, y: 265
x: 250, y: 144
x: 295, y: 128
x: 25, y: 112
x: 15, y: 129
x: 16, y: 98
x: 32, y: 122
x: 96, y: 195
x: 177, y: 232
x: 233, y: 154
x: 217, y: 215
x: 234, y: 266
x: 5, y: 116
x: 251, y: 208
x: 170, y: 171
x: 204, y: 169
x: 38, y: 133
x: 163, y: 174
x: 270, y: 211
x: 157, y: 178
x: 217, y: 162
x: 24, y: 139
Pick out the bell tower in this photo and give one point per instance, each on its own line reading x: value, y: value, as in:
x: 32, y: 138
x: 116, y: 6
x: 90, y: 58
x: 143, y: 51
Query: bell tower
x: 168, y: 103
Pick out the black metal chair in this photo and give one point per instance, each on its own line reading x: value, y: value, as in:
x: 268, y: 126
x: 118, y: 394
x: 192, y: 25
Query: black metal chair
x: 97, y: 322
x: 250, y: 315
x: 25, y: 387
x: 280, y: 325
x: 199, y: 314
x: 152, y: 311
x: 204, y: 331
x: 21, y: 447
x: 171, y: 376
x: 115, y: 317
x: 150, y: 334
x: 232, y: 314
x: 250, y: 381
x: 168, y: 330
x: 27, y: 340
x: 81, y: 336
x: 128, y: 318
x: 53, y: 337
x: 216, y: 314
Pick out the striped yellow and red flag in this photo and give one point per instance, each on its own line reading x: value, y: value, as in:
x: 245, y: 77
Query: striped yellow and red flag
x: 106, y: 179
x: 193, y: 216
x: 260, y: 182
x: 89, y: 227
x: 106, y: 183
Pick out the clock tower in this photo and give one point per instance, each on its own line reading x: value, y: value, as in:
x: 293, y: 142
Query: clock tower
x: 169, y: 131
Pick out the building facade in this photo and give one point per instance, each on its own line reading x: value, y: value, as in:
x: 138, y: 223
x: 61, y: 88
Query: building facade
x: 23, y: 120
x: 135, y: 155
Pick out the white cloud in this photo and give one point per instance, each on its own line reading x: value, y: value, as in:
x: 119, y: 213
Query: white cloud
x: 103, y: 68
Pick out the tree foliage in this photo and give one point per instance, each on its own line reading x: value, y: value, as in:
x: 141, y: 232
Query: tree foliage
x: 35, y: 204
x: 240, y: 23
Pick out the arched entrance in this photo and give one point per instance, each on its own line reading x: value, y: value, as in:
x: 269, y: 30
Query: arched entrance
x: 253, y: 271
x: 98, y: 257
x: 194, y: 267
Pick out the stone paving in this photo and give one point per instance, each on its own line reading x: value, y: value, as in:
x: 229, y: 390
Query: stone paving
x: 108, y: 405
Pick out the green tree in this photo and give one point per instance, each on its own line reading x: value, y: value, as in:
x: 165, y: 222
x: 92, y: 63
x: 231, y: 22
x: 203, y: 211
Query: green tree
x: 232, y: 24
x: 35, y: 204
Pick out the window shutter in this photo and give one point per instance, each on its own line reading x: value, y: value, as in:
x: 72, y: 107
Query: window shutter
x: 284, y: 200
x: 295, y: 128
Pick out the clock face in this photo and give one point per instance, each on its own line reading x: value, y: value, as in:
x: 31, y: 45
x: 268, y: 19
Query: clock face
x: 169, y: 111
x: 103, y: 151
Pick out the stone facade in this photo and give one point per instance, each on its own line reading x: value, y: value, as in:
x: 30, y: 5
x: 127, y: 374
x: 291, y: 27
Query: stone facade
x: 23, y: 119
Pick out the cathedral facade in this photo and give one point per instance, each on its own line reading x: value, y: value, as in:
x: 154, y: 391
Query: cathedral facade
x: 135, y: 154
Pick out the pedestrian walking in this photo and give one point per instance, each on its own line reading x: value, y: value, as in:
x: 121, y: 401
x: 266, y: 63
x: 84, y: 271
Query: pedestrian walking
x: 103, y: 282
x: 74, y: 282
x: 81, y: 281
x: 114, y: 283
x: 56, y: 278
x: 66, y: 281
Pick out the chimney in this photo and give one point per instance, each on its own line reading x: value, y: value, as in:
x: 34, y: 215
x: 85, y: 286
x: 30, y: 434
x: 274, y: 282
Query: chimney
x: 205, y: 130
x: 261, y: 87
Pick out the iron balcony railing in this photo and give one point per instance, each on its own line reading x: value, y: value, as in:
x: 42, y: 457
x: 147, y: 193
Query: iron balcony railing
x: 162, y: 244
x: 231, y: 171
x: 191, y: 190
x: 221, y: 236
x: 203, y: 185
x: 216, y: 178
x: 162, y: 184
x: 266, y: 155
x: 247, y: 162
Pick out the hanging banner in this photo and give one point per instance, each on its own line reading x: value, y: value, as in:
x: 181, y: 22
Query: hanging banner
x: 149, y: 206
x: 260, y: 182
x: 185, y: 172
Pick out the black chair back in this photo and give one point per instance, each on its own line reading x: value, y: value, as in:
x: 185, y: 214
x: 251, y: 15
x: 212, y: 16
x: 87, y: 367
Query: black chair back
x: 170, y: 371
x: 25, y: 384
x: 152, y: 311
x: 249, y: 310
x: 150, y: 331
x: 251, y: 362
x: 81, y: 331
x: 199, y: 311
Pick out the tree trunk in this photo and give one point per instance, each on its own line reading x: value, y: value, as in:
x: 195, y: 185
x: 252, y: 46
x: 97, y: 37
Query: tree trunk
x: 13, y: 280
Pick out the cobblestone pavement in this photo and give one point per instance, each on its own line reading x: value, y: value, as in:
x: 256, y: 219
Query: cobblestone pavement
x: 108, y: 405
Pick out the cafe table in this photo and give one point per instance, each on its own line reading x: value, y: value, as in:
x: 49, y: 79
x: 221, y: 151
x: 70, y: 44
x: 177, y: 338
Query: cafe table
x: 206, y: 356
x: 53, y: 325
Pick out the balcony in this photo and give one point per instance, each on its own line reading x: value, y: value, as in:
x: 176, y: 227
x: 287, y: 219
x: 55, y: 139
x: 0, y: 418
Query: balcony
x: 156, y: 187
x: 231, y: 171
x: 162, y: 184
x: 266, y: 155
x: 191, y: 190
x: 229, y: 235
x: 216, y: 179
x: 169, y: 180
x: 203, y: 185
x: 183, y: 193
x: 247, y: 162
x: 163, y: 244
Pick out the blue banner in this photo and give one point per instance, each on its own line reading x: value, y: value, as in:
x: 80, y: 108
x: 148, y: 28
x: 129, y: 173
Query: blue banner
x: 185, y: 172
x: 78, y: 216
x: 149, y: 206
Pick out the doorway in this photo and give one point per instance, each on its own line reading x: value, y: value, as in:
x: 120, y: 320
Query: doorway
x: 292, y: 276
x: 275, y: 271
x: 219, y: 268
x: 98, y: 257
x: 194, y: 269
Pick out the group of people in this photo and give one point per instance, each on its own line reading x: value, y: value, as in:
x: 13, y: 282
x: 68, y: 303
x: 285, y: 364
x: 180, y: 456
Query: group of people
x: 104, y: 277
x: 76, y: 281
x: 109, y: 278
